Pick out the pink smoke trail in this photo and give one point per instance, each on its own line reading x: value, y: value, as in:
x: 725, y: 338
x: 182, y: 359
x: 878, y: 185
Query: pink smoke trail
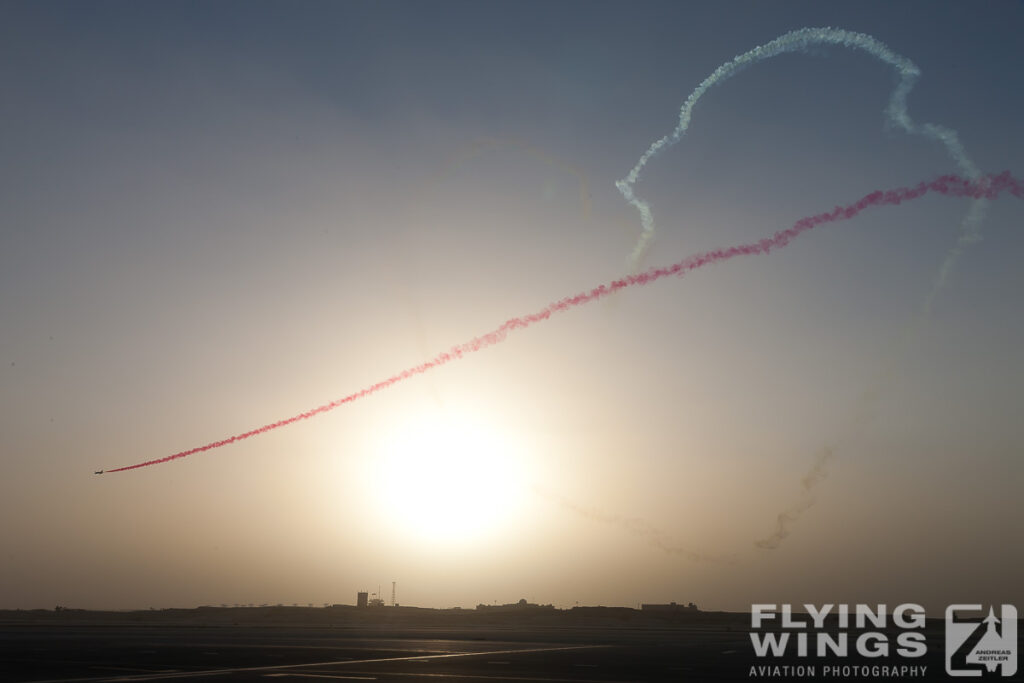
x: 988, y: 187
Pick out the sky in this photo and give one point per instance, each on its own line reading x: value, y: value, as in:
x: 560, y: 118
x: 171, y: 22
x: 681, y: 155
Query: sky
x: 214, y: 216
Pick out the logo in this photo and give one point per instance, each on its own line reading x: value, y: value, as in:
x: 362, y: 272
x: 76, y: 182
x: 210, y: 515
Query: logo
x: 977, y: 644
x: 885, y: 643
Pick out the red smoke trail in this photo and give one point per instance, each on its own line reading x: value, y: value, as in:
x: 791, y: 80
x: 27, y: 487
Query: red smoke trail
x: 988, y: 187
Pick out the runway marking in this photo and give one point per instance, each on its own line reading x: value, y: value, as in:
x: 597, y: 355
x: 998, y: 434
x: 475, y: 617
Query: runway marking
x: 300, y: 646
x: 483, y: 677
x: 302, y: 675
x: 449, y: 676
x: 280, y: 667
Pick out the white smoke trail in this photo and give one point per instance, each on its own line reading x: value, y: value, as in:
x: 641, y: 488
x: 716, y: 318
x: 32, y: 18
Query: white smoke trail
x: 896, y: 114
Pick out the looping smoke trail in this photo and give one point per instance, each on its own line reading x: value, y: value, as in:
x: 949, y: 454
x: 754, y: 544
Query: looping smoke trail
x: 633, y: 525
x: 896, y: 114
x: 800, y: 39
x: 949, y: 185
x: 791, y: 514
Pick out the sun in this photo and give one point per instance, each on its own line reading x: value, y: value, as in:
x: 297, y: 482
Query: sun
x: 445, y: 479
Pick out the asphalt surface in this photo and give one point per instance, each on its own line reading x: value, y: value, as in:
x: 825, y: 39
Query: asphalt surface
x: 273, y: 653
x: 147, y: 653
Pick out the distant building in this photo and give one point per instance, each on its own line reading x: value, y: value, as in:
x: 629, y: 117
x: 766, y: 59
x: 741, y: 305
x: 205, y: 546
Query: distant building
x: 670, y: 607
x: 520, y: 606
x: 599, y: 611
x: 362, y: 598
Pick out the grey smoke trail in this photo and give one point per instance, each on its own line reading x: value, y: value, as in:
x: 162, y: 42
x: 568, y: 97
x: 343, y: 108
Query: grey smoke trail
x: 864, y: 409
x: 787, y: 517
x: 800, y: 39
x: 632, y: 525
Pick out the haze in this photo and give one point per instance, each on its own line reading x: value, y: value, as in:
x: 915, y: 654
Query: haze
x: 215, y: 216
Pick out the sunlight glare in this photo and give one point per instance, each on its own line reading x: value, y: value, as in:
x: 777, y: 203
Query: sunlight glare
x: 447, y: 480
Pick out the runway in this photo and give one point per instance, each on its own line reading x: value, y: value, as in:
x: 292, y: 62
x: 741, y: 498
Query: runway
x: 342, y: 669
x: 486, y: 653
x: 118, y: 653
